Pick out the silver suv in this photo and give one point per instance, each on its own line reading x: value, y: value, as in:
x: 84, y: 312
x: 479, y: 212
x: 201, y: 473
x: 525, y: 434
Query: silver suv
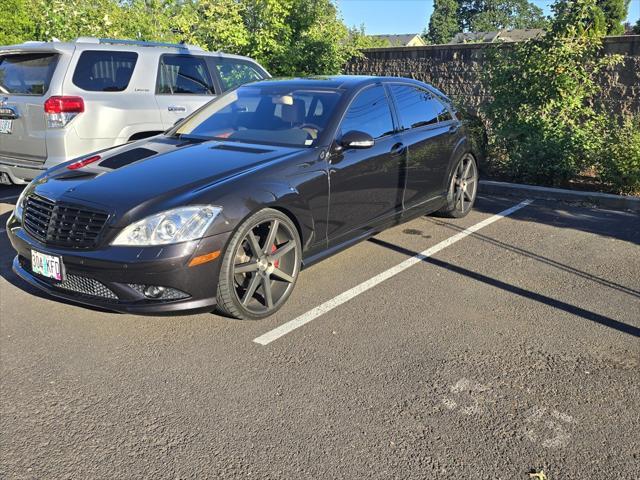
x: 59, y: 101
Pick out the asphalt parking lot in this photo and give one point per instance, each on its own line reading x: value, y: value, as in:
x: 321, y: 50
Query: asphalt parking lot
x: 514, y: 348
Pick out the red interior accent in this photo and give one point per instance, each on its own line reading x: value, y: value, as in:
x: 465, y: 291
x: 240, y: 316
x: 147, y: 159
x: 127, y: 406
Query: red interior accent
x: 84, y: 162
x: 59, y: 104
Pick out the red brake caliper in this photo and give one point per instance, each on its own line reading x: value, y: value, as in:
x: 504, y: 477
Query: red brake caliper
x: 277, y: 262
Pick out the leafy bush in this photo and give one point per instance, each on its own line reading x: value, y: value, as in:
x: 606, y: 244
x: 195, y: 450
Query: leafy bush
x: 620, y: 158
x: 544, y: 127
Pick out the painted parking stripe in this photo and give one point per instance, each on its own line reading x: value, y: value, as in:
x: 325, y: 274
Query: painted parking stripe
x: 329, y: 305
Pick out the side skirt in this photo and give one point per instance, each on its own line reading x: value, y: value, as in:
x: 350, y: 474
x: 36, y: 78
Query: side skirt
x: 392, y: 220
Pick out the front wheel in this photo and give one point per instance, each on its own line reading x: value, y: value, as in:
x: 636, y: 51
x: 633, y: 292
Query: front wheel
x: 463, y: 188
x: 260, y: 266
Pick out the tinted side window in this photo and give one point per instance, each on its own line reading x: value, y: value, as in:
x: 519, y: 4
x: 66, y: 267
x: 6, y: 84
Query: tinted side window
x: 416, y: 107
x: 234, y: 73
x: 444, y: 115
x: 369, y: 113
x: 101, y: 71
x: 183, y: 75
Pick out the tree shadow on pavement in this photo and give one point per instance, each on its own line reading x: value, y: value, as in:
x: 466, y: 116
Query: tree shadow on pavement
x: 607, y: 223
x: 552, y: 302
x: 547, y: 261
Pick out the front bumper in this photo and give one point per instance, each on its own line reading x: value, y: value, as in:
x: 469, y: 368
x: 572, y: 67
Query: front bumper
x: 113, y: 278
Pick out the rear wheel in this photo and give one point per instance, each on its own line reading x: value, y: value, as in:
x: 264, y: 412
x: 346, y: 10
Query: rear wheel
x: 463, y: 188
x: 260, y: 266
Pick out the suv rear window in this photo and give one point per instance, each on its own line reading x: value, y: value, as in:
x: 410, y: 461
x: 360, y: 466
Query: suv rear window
x: 27, y: 73
x: 101, y: 71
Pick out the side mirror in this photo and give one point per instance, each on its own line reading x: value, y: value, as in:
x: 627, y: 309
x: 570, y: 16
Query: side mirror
x: 356, y: 139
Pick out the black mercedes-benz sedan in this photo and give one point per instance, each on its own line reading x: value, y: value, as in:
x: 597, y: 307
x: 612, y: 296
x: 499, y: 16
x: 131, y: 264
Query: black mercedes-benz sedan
x: 225, y: 209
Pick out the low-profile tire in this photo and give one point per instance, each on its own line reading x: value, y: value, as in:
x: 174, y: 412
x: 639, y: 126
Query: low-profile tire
x: 260, y: 266
x: 463, y: 188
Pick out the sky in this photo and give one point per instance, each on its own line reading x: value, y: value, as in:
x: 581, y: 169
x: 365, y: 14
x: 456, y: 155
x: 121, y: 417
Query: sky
x: 412, y: 16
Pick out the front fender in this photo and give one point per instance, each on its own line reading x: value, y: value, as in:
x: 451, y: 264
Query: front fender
x: 280, y: 196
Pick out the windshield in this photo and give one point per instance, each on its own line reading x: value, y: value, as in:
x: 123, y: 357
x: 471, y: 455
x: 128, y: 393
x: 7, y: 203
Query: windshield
x: 270, y: 114
x: 26, y: 74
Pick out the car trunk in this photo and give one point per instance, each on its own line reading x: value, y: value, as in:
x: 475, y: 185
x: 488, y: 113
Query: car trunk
x: 24, y: 81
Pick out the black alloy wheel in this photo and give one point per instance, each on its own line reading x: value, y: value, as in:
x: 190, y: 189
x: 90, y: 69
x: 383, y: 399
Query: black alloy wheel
x: 260, y: 266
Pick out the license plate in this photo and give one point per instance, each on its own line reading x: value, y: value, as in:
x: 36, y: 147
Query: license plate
x: 49, y: 266
x: 6, y: 126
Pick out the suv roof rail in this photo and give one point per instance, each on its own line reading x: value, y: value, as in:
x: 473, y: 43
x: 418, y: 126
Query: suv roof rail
x: 140, y: 43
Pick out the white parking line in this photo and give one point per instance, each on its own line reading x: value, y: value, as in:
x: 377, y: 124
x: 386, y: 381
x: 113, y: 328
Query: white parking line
x: 329, y: 305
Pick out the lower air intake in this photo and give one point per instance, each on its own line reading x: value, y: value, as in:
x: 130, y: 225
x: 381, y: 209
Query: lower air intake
x: 86, y: 286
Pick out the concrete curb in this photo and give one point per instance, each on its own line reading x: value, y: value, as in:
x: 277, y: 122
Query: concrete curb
x: 600, y: 200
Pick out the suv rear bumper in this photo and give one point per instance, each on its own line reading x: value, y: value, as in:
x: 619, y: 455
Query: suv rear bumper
x: 63, y: 144
x: 19, y: 173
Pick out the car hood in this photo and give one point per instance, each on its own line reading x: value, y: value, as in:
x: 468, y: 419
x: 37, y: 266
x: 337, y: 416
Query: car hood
x: 129, y: 176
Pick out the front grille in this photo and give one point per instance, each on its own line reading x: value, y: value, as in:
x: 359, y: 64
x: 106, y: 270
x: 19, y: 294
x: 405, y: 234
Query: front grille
x: 63, y: 224
x: 86, y: 286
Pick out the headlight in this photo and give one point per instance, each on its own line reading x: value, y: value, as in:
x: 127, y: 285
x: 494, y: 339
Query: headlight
x: 19, y: 208
x: 173, y: 226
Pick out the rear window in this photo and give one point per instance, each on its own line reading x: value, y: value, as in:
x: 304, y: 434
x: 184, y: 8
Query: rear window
x: 101, y: 71
x: 27, y: 74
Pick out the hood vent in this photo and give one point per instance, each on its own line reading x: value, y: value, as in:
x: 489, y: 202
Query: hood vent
x: 126, y: 158
x: 236, y: 148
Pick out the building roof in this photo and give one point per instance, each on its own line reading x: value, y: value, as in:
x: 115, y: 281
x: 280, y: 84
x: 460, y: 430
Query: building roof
x: 401, y: 40
x: 514, y: 35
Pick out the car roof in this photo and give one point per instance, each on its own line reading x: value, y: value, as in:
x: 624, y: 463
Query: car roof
x: 92, y: 43
x: 340, y: 82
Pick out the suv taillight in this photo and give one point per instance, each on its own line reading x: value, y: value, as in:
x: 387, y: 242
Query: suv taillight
x: 59, y: 111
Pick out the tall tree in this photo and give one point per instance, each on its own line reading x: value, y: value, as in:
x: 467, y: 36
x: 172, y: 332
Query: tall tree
x: 443, y: 24
x: 289, y: 37
x: 294, y: 37
x: 212, y: 24
x: 487, y: 15
x: 615, y: 12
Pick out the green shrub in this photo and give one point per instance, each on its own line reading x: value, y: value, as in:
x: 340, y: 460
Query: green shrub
x: 544, y: 127
x: 620, y: 158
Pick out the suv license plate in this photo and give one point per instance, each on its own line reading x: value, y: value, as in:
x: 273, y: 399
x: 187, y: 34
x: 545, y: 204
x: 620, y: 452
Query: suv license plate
x: 49, y: 266
x: 6, y: 126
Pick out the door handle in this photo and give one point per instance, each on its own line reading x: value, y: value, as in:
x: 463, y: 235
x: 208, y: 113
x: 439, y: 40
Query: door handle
x: 177, y: 108
x: 398, y: 149
x: 454, y: 128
